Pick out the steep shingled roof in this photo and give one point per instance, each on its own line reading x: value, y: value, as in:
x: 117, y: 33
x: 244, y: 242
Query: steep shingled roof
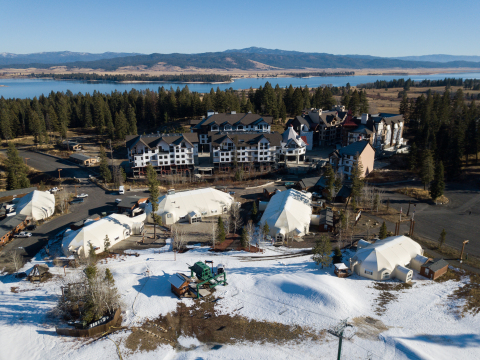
x: 238, y: 118
x: 275, y: 139
x: 153, y: 140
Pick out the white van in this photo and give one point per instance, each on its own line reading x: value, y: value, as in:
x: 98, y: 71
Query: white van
x: 121, y: 190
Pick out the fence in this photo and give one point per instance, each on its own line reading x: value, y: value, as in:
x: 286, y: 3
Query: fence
x: 89, y: 332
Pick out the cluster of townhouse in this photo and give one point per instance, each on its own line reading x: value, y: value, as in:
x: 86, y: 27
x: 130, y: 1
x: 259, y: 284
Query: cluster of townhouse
x: 247, y: 139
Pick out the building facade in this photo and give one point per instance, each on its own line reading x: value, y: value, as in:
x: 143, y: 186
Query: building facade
x: 345, y: 159
x: 167, y: 153
x: 229, y: 122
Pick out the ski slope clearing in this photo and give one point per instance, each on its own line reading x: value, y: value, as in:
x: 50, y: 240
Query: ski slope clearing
x: 410, y: 322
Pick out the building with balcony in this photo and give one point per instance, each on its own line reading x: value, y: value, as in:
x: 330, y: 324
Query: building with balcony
x: 229, y: 122
x: 383, y: 131
x: 167, y: 153
x: 244, y: 148
x: 320, y: 127
x: 293, y: 146
x: 344, y: 160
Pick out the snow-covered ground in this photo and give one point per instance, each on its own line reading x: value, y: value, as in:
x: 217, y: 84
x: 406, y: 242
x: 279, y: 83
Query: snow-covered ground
x: 421, y: 322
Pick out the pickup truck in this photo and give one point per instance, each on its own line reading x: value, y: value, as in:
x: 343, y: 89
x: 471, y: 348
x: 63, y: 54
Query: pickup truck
x: 22, y: 234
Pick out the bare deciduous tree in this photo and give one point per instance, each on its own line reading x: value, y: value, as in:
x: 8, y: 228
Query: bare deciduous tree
x: 250, y: 233
x: 235, y: 216
x: 62, y: 201
x: 213, y: 232
x: 17, y: 260
x: 179, y: 236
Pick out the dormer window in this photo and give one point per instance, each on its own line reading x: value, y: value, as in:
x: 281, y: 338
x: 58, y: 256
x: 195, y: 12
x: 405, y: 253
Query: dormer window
x: 240, y: 127
x: 214, y: 127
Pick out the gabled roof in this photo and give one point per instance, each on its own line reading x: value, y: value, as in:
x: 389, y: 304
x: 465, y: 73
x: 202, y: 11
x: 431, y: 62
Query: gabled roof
x: 152, y: 141
x: 352, y: 149
x: 131, y: 201
x: 309, y: 182
x: 10, y: 223
x: 326, y: 217
x: 237, y: 118
x: 435, y: 264
x: 275, y: 139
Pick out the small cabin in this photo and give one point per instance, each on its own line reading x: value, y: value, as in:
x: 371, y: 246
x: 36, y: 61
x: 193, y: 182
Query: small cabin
x: 179, y: 284
x: 435, y: 268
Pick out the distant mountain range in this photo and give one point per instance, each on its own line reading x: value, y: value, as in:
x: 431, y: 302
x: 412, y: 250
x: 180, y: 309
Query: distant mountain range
x: 244, y: 59
x: 58, y: 57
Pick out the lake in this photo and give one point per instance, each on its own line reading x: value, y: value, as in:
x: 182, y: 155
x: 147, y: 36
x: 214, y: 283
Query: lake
x: 29, y: 88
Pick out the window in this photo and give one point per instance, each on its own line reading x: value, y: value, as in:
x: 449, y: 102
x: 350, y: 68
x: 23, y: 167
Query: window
x: 169, y: 216
x: 386, y: 275
x: 214, y: 211
x: 204, y: 213
x: 368, y: 272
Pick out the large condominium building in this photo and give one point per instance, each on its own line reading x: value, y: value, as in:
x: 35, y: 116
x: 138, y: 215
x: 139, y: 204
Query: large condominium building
x: 320, y: 127
x: 229, y: 122
x: 345, y: 159
x: 168, y: 153
x: 383, y: 131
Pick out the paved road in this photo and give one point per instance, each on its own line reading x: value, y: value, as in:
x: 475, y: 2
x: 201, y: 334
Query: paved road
x: 460, y: 217
x: 98, y: 201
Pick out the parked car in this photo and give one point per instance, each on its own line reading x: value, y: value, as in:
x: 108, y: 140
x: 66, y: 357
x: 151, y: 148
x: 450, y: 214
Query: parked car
x: 76, y: 201
x: 118, y: 201
x: 232, y: 192
x: 22, y: 234
x: 121, y: 190
x: 83, y: 195
x: 31, y: 227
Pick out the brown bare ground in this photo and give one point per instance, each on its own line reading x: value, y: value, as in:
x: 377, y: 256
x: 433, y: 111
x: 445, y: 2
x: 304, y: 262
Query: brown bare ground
x: 204, y: 323
x: 420, y: 194
x: 368, y: 327
x: 387, y: 294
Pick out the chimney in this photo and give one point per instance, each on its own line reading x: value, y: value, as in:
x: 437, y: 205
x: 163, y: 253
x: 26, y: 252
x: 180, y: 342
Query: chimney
x: 364, y: 118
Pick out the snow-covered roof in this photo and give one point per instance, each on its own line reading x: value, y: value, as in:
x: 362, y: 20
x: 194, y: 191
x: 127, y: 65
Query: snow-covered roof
x: 341, y: 266
x: 388, y: 253
x: 37, y: 204
x: 200, y: 201
x: 288, y: 211
x: 176, y: 280
x: 117, y: 227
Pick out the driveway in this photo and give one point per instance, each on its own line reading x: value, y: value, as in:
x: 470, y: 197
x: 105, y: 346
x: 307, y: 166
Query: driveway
x: 460, y: 217
x: 98, y: 201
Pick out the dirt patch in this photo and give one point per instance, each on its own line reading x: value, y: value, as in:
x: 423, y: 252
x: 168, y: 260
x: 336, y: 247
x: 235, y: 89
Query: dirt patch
x: 387, y: 294
x: 202, y: 322
x: 469, y: 292
x: 368, y: 327
x: 421, y: 194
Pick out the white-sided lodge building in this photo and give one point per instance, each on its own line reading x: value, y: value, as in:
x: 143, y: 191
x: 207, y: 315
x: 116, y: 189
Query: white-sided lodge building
x: 168, y: 153
x: 229, y: 122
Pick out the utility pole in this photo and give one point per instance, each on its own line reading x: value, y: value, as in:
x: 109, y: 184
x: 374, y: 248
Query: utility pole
x: 463, y: 248
x: 338, y: 332
x: 59, y: 173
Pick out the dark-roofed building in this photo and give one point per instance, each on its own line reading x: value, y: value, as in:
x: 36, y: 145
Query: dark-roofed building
x: 168, y: 153
x: 325, y: 223
x: 308, y: 183
x: 382, y: 130
x: 71, y: 145
x: 129, y: 203
x: 343, y: 160
x: 320, y: 127
x: 85, y: 160
x: 269, y: 191
x: 244, y: 147
x: 433, y: 269
x: 229, y: 122
x: 79, y: 224
x: 11, y: 225
x: 16, y: 193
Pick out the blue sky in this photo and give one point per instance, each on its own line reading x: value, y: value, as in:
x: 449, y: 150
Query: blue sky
x: 379, y: 28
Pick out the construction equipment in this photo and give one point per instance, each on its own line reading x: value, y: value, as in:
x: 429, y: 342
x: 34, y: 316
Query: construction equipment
x: 206, y: 276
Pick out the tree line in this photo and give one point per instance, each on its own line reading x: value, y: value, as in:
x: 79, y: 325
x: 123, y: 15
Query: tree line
x: 143, y: 77
x: 472, y: 84
x: 119, y: 114
x: 445, y: 131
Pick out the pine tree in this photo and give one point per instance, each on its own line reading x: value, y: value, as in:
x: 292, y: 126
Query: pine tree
x: 322, y: 251
x: 154, y: 195
x: 220, y: 230
x: 337, y: 255
x: 330, y: 181
x: 105, y: 172
x: 438, y: 184
x: 357, y: 178
x: 92, y: 255
x: 109, y: 278
x: 99, y: 114
x: 110, y: 128
x: 413, y: 157
x: 5, y: 124
x: 132, y: 121
x: 106, y: 244
x: 428, y: 169
x: 244, y: 237
x: 254, y: 211
x: 442, y: 238
x: 265, y: 229
x: 383, y: 231
x: 17, y: 171
x: 121, y: 125
x: 404, y: 107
